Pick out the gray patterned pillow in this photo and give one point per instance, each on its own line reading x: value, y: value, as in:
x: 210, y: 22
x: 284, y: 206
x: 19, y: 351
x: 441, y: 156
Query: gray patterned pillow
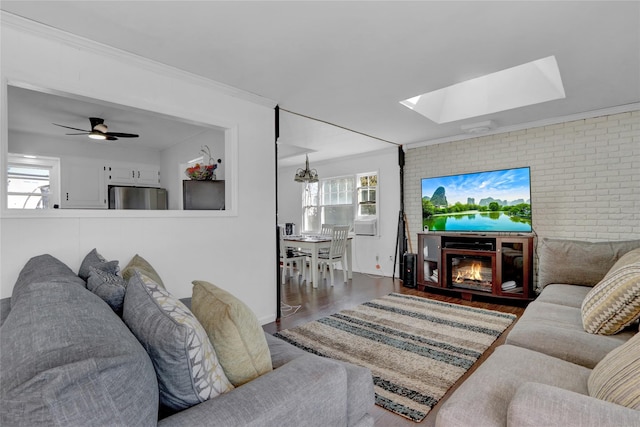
x: 109, y: 287
x: 186, y: 364
x: 94, y: 259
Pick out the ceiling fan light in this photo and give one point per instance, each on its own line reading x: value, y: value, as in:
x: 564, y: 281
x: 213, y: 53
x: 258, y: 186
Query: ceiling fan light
x: 97, y: 135
x: 100, y: 128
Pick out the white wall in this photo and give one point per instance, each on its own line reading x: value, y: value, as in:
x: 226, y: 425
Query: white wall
x: 182, y: 247
x: 585, y: 174
x: 365, y: 248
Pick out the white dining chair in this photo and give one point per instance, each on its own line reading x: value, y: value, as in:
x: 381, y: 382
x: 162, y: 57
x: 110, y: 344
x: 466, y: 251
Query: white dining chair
x: 290, y: 257
x: 336, y: 253
x: 326, y: 229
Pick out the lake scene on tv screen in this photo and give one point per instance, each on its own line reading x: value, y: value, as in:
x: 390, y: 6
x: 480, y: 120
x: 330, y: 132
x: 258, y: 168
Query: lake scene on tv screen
x: 493, y: 201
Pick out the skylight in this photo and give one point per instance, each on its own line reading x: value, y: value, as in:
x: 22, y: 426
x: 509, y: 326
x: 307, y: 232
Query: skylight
x: 527, y: 84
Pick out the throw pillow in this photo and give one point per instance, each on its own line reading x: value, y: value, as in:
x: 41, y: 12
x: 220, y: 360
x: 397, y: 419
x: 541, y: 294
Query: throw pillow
x: 140, y: 264
x: 94, y: 259
x: 614, y: 302
x: 234, y: 331
x: 68, y: 360
x: 109, y: 287
x: 186, y: 365
x: 47, y: 269
x: 616, y: 378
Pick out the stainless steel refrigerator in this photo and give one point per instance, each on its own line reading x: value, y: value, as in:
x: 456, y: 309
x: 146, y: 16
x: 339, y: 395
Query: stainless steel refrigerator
x: 123, y: 197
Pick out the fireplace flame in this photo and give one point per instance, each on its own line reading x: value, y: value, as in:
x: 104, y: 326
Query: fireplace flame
x: 473, y: 272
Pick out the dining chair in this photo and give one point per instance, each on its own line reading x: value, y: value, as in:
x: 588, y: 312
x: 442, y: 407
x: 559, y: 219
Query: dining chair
x: 290, y: 257
x: 337, y: 251
x: 326, y: 229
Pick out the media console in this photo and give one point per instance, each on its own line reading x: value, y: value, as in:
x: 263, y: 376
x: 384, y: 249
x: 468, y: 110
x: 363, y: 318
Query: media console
x: 475, y: 264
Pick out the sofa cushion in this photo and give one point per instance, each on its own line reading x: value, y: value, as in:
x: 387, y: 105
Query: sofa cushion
x: 43, y: 268
x: 234, y: 331
x: 557, y: 330
x: 186, y: 365
x: 67, y: 359
x: 614, y: 302
x: 616, y: 378
x: 109, y: 287
x: 569, y: 295
x: 578, y: 262
x: 541, y: 405
x: 94, y: 259
x: 483, y: 398
x: 140, y: 264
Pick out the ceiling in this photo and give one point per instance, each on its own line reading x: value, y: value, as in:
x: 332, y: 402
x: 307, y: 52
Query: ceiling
x: 34, y: 112
x: 350, y: 63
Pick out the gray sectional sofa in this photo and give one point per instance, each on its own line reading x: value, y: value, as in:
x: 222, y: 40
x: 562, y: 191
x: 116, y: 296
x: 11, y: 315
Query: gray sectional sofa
x: 544, y: 374
x: 67, y: 358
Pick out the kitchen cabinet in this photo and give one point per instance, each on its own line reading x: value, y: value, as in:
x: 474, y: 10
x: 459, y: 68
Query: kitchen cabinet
x: 83, y: 184
x: 132, y: 174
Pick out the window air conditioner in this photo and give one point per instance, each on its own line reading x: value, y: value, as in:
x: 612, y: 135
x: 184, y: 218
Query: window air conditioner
x: 365, y: 227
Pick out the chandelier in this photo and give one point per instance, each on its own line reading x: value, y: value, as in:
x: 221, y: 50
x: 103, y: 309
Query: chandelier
x: 306, y: 174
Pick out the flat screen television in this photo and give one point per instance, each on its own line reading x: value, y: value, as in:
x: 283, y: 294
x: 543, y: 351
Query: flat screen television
x: 481, y: 202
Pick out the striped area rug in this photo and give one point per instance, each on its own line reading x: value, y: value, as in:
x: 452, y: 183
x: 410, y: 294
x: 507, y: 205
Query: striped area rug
x: 416, y: 348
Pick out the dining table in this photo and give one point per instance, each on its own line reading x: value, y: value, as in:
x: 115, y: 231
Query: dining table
x: 313, y: 243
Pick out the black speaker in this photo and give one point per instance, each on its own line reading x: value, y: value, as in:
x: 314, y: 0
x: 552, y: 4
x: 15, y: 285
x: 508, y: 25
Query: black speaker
x: 409, y: 271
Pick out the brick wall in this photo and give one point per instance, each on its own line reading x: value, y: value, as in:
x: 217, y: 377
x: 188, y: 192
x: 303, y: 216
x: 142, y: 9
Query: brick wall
x: 585, y: 174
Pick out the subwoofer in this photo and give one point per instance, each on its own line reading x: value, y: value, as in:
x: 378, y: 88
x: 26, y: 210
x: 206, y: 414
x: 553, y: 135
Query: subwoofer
x: 409, y: 271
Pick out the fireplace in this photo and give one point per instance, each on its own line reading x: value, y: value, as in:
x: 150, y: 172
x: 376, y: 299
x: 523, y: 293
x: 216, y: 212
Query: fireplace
x: 470, y: 271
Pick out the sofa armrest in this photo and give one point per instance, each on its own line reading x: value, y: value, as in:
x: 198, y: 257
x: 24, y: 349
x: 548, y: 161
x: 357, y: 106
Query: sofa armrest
x: 308, y: 390
x: 535, y: 405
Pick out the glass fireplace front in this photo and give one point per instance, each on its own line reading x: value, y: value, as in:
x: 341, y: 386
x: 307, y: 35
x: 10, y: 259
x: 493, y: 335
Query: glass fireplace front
x: 470, y: 272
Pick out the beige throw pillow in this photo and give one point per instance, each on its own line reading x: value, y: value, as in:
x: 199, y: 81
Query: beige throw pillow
x: 614, y: 302
x: 234, y: 331
x: 616, y: 378
x: 141, y: 265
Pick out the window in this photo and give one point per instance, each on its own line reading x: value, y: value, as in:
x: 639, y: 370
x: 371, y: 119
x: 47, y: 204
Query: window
x: 367, y: 189
x: 32, y: 182
x: 339, y: 200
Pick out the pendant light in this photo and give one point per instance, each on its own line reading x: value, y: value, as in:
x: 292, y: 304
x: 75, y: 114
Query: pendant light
x: 306, y: 174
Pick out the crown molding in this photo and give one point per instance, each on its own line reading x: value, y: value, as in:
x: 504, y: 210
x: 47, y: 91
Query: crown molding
x: 529, y: 125
x: 44, y: 31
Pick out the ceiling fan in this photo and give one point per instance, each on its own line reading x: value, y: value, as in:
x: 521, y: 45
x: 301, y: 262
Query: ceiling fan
x: 99, y: 131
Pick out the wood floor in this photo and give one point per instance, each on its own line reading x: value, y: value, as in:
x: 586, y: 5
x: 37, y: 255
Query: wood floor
x: 326, y: 300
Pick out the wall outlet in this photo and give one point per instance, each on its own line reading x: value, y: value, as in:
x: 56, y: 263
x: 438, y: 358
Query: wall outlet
x: 390, y: 257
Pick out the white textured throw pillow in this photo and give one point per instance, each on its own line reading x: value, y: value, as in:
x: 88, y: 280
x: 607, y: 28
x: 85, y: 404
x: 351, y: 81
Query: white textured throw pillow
x: 614, y: 302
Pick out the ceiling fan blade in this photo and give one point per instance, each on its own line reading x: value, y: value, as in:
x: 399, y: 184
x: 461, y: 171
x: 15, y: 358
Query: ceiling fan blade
x: 69, y: 127
x: 122, y: 135
x: 111, y: 138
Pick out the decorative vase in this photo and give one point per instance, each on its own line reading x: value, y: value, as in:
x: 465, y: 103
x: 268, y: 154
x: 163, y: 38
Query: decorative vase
x: 201, y: 172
